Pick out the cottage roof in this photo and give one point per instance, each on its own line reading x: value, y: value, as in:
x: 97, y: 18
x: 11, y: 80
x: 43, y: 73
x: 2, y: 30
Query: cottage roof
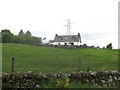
x: 67, y: 38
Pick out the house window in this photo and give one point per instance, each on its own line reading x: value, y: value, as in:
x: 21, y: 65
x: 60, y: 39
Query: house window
x: 65, y: 43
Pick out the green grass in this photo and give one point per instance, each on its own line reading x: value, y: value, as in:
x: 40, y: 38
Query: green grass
x: 52, y: 60
x: 71, y: 85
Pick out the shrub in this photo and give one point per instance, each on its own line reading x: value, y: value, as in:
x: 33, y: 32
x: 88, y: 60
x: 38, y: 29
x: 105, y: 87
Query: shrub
x: 88, y: 69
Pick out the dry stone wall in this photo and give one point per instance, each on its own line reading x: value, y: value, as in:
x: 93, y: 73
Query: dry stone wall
x: 33, y: 80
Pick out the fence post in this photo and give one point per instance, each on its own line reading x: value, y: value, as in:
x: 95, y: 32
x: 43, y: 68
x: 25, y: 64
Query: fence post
x: 13, y: 58
x: 79, y: 64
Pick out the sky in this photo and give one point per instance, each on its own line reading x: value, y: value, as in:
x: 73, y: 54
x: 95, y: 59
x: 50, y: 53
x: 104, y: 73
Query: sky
x: 95, y: 20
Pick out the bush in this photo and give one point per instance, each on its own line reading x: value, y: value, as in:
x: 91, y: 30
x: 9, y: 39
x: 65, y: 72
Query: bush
x: 109, y: 46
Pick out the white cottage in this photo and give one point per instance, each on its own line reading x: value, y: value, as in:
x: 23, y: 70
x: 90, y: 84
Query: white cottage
x: 67, y: 40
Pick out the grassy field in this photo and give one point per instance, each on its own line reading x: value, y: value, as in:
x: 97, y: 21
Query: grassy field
x: 52, y: 60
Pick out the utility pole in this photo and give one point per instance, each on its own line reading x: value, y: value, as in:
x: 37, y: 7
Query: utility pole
x: 68, y: 26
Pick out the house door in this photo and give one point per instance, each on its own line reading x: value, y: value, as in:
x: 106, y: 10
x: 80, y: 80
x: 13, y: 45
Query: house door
x: 72, y: 43
x: 59, y: 44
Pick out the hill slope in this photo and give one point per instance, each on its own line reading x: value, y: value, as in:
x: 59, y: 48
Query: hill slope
x: 50, y: 59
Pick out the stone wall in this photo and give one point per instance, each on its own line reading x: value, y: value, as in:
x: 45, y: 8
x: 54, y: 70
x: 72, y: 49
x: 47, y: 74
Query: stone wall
x: 33, y: 80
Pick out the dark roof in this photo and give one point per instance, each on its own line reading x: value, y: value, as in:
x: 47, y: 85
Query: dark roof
x: 67, y: 38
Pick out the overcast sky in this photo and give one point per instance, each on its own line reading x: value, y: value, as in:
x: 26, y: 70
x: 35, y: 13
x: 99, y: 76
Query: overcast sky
x: 95, y: 20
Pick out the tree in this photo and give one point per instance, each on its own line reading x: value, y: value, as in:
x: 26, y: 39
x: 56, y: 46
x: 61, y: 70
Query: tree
x: 109, y: 46
x: 7, y: 36
x: 28, y: 33
x: 85, y: 45
x: 17, y: 39
x: 21, y: 33
x: 98, y: 47
x: 92, y: 46
x: 103, y: 48
x: 0, y: 37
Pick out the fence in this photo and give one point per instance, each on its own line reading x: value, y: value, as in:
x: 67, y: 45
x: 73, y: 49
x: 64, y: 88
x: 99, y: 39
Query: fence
x: 46, y: 70
x: 54, y: 67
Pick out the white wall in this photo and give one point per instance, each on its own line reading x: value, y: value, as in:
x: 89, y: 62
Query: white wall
x: 63, y: 43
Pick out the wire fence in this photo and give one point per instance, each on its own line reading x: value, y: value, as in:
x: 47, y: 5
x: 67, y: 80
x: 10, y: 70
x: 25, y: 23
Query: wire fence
x: 59, y: 66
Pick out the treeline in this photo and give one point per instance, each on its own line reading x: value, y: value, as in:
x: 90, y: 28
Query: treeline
x: 23, y: 38
x: 109, y: 46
